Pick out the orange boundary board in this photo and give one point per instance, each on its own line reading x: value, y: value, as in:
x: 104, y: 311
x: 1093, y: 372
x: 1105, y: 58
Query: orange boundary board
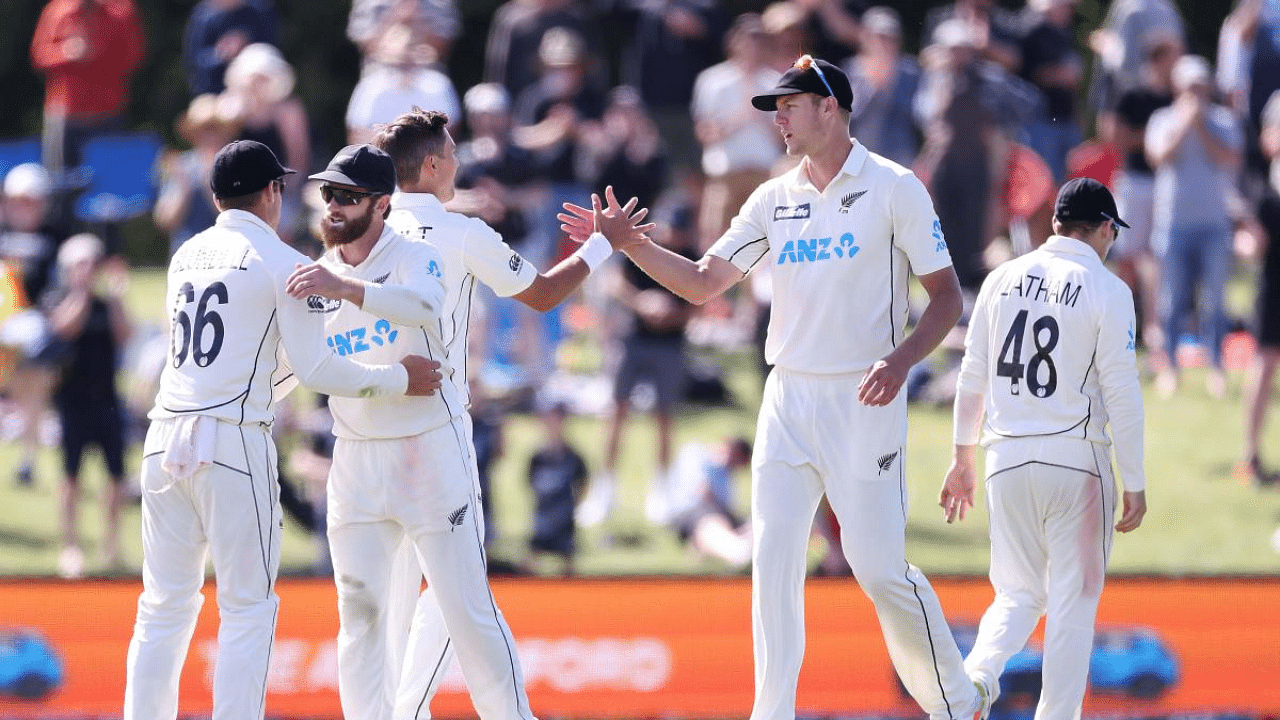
x: 653, y: 647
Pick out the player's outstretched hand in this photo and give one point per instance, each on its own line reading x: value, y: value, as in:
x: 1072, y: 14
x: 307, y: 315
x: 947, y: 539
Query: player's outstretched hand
x: 1135, y: 506
x: 620, y: 224
x: 957, y: 490
x: 316, y: 279
x: 881, y: 383
x: 424, y: 375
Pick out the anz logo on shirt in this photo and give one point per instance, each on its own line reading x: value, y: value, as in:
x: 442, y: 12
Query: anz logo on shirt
x: 939, y: 245
x: 359, y: 340
x: 818, y: 250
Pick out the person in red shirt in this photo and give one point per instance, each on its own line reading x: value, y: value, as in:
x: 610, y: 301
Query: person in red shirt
x: 86, y: 49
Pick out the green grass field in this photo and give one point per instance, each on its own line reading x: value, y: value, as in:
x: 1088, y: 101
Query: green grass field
x: 1200, y: 521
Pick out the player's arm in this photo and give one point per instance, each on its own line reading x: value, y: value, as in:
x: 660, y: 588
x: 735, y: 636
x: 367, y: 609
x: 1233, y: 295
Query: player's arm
x: 414, y: 301
x: 695, y: 281
x: 917, y: 233
x: 283, y: 380
x: 959, y: 486
x: 614, y: 231
x: 1122, y: 397
x: 882, y: 383
x: 302, y: 333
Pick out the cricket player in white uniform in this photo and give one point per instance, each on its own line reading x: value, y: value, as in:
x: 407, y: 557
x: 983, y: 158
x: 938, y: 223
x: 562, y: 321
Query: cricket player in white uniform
x: 1049, y: 362
x: 841, y: 232
x: 426, y: 169
x: 209, y: 468
x: 404, y: 470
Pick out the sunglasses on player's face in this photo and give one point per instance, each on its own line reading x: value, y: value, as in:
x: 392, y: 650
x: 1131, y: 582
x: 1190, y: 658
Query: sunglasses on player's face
x: 346, y: 198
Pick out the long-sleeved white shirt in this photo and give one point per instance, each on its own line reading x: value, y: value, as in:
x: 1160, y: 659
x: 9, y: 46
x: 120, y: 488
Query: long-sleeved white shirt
x: 230, y: 317
x: 1050, y: 348
x: 470, y: 251
x: 403, y: 298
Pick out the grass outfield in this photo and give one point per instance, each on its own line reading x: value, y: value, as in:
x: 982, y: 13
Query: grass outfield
x: 1200, y: 521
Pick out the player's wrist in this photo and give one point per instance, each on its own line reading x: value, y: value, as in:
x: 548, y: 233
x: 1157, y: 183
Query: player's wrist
x: 595, y: 250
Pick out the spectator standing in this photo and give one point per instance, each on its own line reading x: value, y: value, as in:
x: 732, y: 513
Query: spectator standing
x: 87, y: 50
x: 628, y: 152
x: 1119, y: 44
x: 517, y: 35
x: 885, y: 82
x: 1195, y: 147
x: 787, y: 25
x: 557, y: 474
x: 671, y: 42
x: 1135, y: 183
x: 653, y: 354
x: 28, y: 246
x: 215, y: 34
x: 739, y: 144
x: 1051, y: 62
x: 185, y: 206
x: 393, y: 83
x: 95, y: 327
x: 497, y: 178
x: 553, y: 115
x: 1248, y: 55
x: 961, y: 136
x: 1260, y: 378
x: 995, y: 32
x: 28, y: 238
x: 835, y: 26
x: 703, y: 511
x: 430, y: 28
x: 259, y: 95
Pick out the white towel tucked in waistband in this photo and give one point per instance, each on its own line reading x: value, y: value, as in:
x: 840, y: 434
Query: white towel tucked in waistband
x: 188, y: 449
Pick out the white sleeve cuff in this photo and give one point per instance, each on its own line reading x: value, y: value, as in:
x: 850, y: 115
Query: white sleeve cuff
x: 595, y: 250
x: 968, y: 417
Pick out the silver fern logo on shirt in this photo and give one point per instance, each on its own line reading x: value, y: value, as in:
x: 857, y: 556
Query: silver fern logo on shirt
x: 847, y: 201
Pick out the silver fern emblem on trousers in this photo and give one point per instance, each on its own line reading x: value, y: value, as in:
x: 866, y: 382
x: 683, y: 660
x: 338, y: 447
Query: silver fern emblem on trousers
x: 885, y: 462
x: 457, y: 516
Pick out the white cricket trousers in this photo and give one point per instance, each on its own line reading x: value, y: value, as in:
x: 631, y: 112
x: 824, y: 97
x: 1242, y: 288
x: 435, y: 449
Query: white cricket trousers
x: 814, y: 437
x: 381, y: 491
x: 417, y: 627
x: 1052, y: 504
x: 231, y: 513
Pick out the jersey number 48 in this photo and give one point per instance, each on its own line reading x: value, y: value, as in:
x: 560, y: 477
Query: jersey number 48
x: 1010, y: 365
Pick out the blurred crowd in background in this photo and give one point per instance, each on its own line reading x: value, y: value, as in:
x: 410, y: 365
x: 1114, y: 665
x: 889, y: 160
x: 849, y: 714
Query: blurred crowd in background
x: 999, y: 107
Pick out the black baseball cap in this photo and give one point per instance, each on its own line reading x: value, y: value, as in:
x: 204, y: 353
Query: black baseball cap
x: 363, y: 166
x: 1086, y: 200
x: 243, y: 167
x: 809, y: 75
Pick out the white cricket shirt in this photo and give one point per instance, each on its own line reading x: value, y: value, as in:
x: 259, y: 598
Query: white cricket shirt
x: 229, y: 316
x: 839, y: 258
x: 401, y: 316
x: 470, y: 250
x: 1051, y: 348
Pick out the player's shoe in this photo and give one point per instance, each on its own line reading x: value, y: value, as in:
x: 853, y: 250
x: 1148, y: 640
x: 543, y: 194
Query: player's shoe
x: 986, y: 698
